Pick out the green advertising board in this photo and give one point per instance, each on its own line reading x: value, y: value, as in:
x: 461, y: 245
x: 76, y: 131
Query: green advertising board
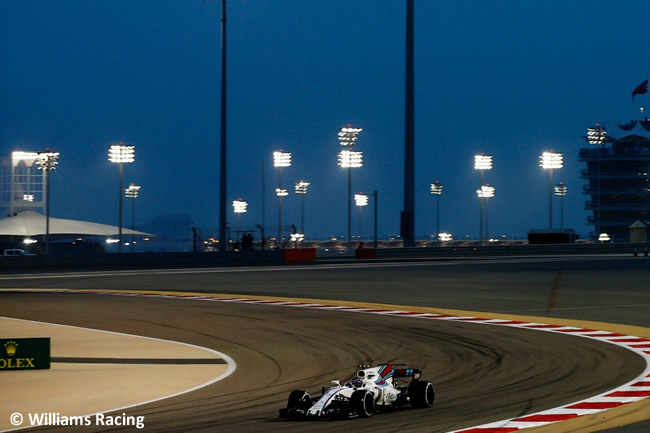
x: 24, y: 354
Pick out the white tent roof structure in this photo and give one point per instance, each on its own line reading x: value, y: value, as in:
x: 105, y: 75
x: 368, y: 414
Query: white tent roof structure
x: 30, y: 223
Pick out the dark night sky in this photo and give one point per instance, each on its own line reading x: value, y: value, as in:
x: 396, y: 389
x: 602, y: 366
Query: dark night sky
x: 510, y: 78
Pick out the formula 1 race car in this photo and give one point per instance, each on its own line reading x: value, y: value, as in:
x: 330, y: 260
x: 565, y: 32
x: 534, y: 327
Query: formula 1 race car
x: 380, y: 388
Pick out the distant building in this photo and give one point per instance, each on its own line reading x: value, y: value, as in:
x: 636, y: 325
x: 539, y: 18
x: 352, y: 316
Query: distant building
x: 618, y: 183
x: 22, y: 184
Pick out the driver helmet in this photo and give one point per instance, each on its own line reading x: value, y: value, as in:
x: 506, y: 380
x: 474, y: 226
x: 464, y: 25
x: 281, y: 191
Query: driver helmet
x: 356, y: 382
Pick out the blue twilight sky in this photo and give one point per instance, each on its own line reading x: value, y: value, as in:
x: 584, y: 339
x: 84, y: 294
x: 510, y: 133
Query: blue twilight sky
x: 510, y: 78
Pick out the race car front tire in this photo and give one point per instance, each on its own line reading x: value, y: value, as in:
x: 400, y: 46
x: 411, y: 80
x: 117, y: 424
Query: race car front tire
x: 363, y: 402
x: 421, y: 393
x: 299, y: 399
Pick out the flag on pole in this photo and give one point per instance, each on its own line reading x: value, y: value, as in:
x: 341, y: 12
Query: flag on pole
x: 640, y: 89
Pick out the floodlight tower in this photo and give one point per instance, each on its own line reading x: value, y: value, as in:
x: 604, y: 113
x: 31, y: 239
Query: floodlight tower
x: 47, y: 161
x: 121, y: 154
x: 132, y: 192
x: 281, y: 160
x: 349, y: 159
x: 436, y: 189
x: 239, y: 207
x: 486, y: 192
x: 550, y: 161
x: 597, y: 136
x: 560, y: 191
x: 482, y: 162
x: 361, y: 200
x: 301, y: 188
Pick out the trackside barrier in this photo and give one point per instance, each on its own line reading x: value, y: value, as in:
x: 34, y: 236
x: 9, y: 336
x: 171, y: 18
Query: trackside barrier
x: 365, y: 253
x: 142, y: 260
x: 299, y: 255
x: 510, y: 250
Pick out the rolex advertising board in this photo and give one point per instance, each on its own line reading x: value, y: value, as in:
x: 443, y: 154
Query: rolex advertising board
x: 24, y: 354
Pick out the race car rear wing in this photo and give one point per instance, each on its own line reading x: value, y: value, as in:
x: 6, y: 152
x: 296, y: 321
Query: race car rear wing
x: 415, y: 373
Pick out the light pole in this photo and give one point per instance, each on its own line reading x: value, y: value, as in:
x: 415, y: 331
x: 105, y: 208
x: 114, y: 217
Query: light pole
x: 301, y: 188
x: 482, y: 162
x: 486, y: 192
x: 436, y: 189
x: 407, y: 217
x: 375, y: 194
x: 132, y: 192
x: 597, y: 136
x: 263, y: 226
x: 349, y: 159
x: 121, y: 154
x: 281, y: 160
x: 223, y: 151
x: 549, y: 161
x: 361, y: 200
x: 239, y: 207
x: 47, y: 161
x: 280, y: 192
x: 560, y: 191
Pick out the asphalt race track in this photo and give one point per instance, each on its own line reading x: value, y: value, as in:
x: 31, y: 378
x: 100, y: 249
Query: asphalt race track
x: 481, y: 373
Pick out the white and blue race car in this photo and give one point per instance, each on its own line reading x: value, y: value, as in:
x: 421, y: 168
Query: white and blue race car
x: 373, y: 389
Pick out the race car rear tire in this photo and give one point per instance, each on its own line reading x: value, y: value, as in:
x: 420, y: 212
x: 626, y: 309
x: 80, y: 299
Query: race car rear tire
x: 363, y: 402
x: 299, y: 399
x: 421, y: 393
